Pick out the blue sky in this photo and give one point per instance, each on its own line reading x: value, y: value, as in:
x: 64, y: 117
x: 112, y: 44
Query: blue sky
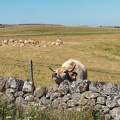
x: 63, y: 12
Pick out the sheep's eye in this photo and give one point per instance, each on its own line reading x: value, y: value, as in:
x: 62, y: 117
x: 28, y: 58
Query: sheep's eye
x: 64, y: 71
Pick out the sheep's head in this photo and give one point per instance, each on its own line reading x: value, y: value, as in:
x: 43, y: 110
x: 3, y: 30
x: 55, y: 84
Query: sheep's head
x: 62, y: 74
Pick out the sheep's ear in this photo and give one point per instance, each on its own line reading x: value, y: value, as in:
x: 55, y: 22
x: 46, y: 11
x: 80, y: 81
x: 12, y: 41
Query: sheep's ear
x: 51, y: 69
x: 72, y: 69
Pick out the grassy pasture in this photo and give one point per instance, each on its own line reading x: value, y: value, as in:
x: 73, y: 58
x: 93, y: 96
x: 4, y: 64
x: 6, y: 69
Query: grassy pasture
x: 97, y: 48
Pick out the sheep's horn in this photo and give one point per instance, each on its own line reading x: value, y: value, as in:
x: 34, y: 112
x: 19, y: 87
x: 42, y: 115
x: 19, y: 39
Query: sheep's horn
x: 72, y: 69
x: 51, y: 69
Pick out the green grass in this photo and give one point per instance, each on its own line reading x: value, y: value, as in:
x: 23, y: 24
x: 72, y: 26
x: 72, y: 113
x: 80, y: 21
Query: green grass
x: 68, y: 34
x: 41, y: 30
x: 109, y: 49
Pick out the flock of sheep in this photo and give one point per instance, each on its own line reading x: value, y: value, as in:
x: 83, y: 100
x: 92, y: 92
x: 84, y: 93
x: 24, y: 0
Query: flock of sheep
x: 21, y: 43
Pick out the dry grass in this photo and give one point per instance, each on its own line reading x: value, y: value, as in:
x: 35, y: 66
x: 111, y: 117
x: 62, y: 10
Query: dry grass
x: 99, y: 51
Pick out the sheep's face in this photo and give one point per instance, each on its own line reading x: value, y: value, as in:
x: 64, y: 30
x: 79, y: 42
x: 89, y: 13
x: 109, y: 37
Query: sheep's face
x: 62, y: 74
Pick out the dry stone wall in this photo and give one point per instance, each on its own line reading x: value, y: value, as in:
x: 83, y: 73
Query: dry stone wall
x: 103, y: 97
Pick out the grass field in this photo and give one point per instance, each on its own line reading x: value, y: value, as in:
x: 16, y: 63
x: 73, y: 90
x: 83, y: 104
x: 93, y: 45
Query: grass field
x: 98, y: 48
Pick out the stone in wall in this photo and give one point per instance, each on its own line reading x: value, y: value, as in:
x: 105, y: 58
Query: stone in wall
x: 40, y: 91
x: 105, y: 88
x: 115, y: 113
x: 28, y: 86
x: 2, y: 84
x: 79, y: 86
x: 112, y: 101
x: 101, y: 100
x: 10, y: 95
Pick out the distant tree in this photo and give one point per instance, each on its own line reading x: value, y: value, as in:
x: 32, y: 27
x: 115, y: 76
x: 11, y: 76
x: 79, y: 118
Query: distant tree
x: 1, y: 26
x: 116, y: 26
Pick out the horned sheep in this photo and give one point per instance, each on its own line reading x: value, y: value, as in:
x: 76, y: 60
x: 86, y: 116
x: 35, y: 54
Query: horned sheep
x: 71, y: 70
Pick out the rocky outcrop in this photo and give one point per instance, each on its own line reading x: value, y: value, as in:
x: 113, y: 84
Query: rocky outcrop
x: 103, y: 97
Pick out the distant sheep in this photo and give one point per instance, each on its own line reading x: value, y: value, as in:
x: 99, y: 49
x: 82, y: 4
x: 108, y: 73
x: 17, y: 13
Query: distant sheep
x: 57, y: 42
x: 5, y: 42
x: 12, y: 40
